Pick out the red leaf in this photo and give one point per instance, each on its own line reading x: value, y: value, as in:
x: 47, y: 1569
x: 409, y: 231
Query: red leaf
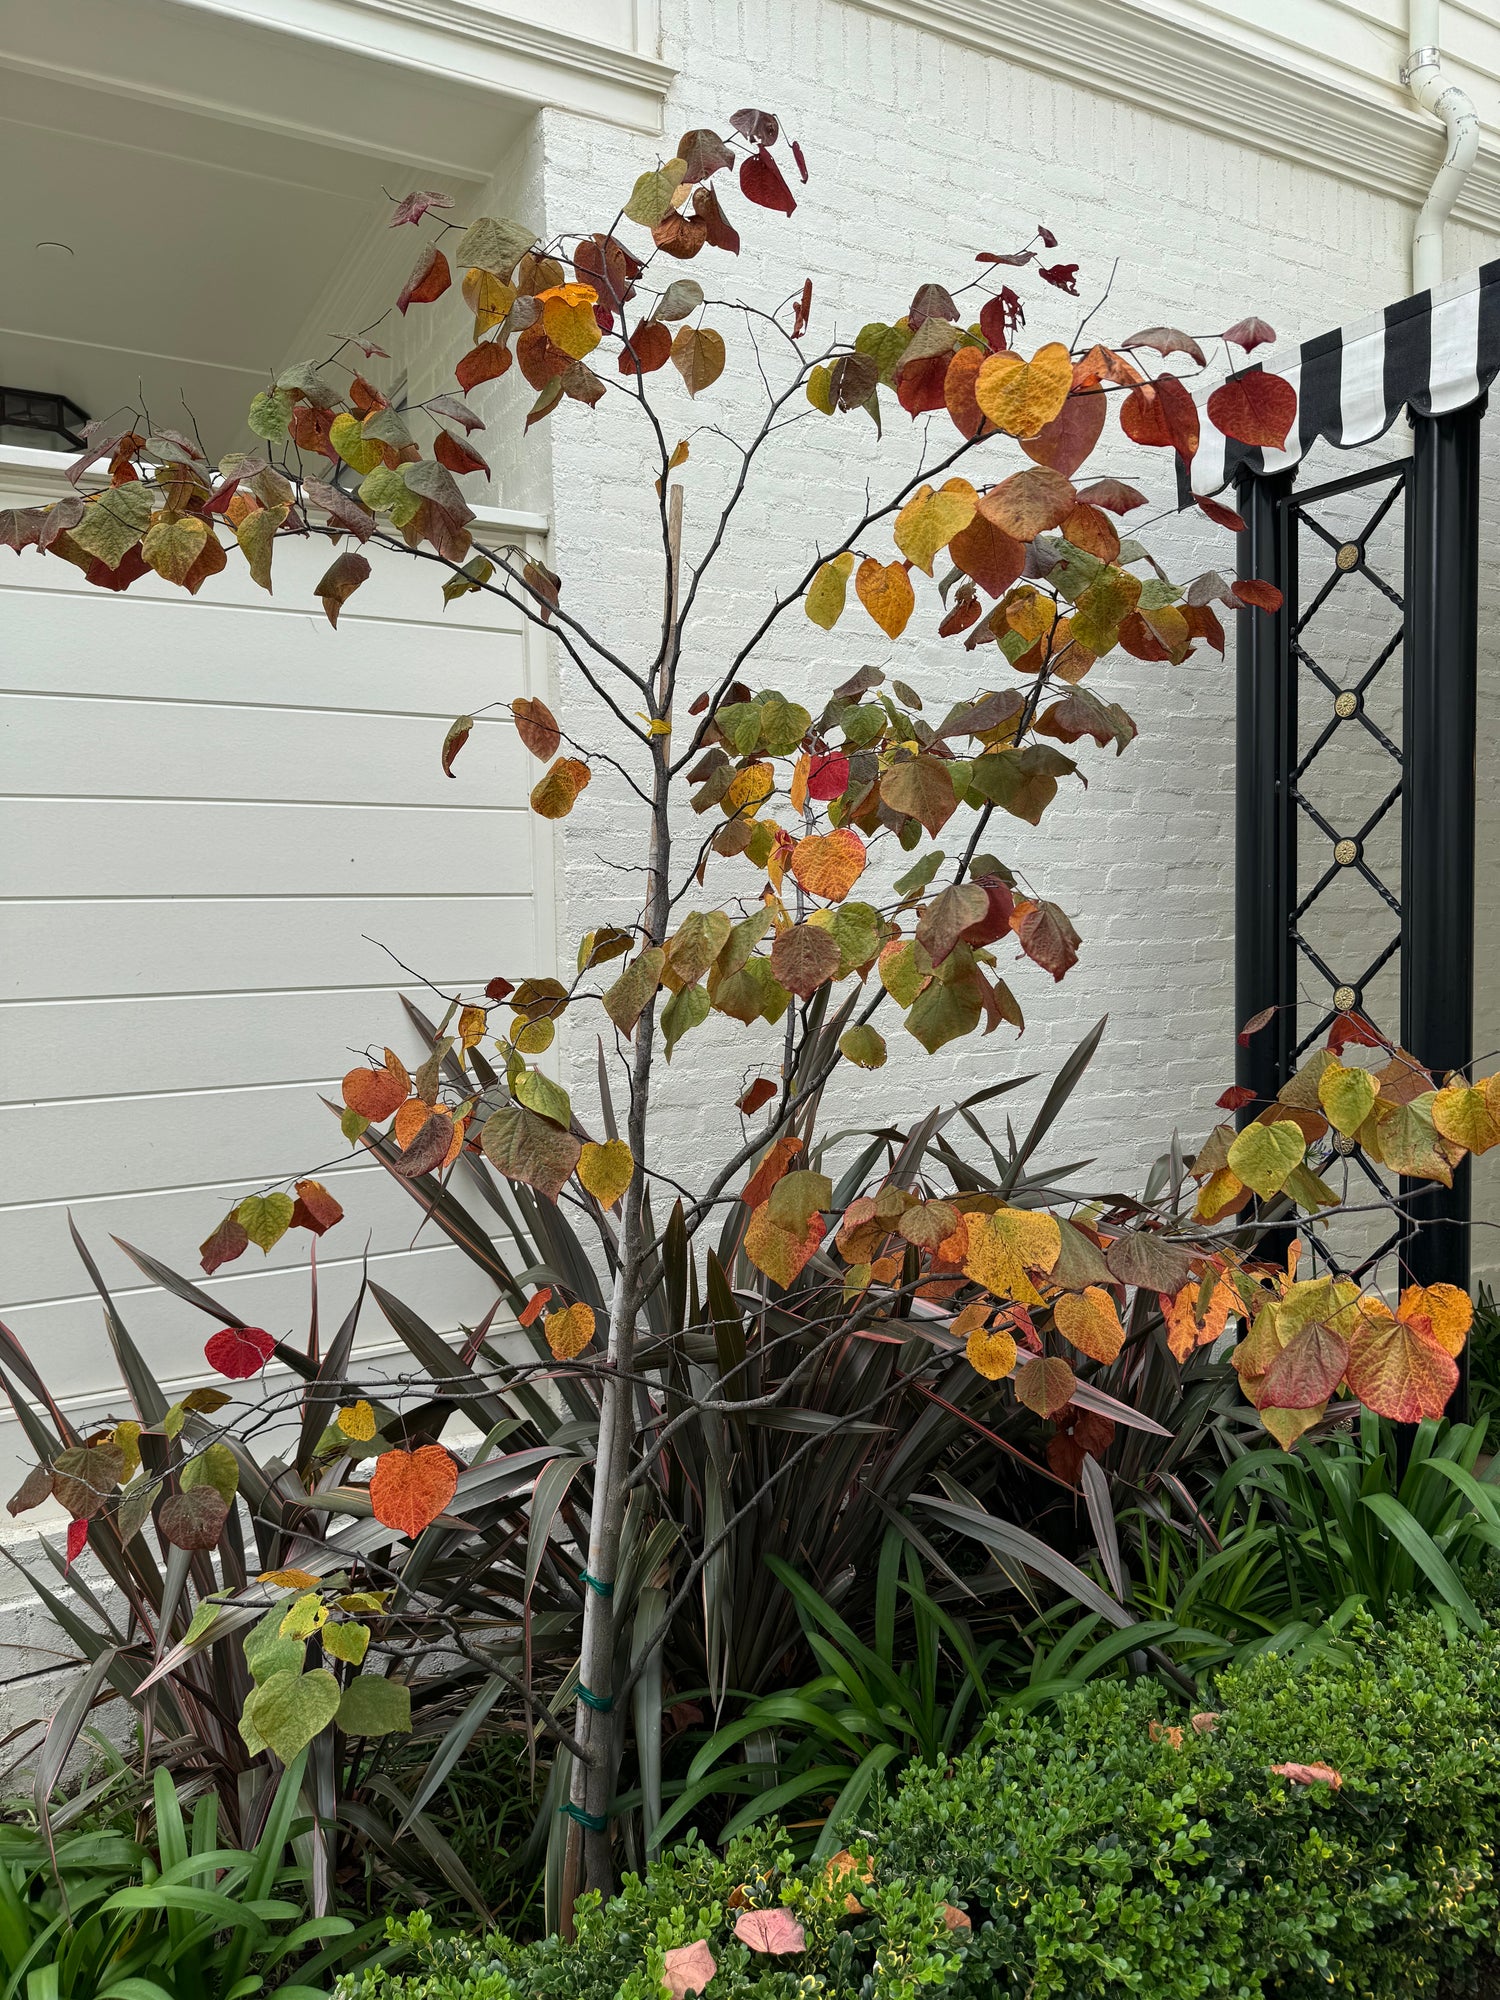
x: 1161, y: 413
x: 722, y: 233
x: 410, y: 1489
x: 499, y: 989
x: 770, y: 1930
x: 921, y: 385
x: 1255, y: 408
x: 1225, y: 517
x: 1049, y: 241
x: 648, y: 348
x: 800, y: 158
x: 1064, y: 276
x: 238, y: 1352
x: 316, y: 1209
x: 456, y: 455
x: 1113, y: 494
x: 78, y: 1540
x: 534, y: 1306
x: 1252, y: 590
x: 195, y: 1519
x: 226, y: 1243
x: 760, y: 1092
x: 1254, y: 1025
x: 1238, y: 1094
x: 1352, y: 1027
x: 1000, y: 316
x: 1048, y: 938
x: 803, y: 311
x: 828, y: 777
x: 412, y: 207
x: 428, y: 281
x: 1249, y: 333
x: 483, y: 363
x: 761, y: 181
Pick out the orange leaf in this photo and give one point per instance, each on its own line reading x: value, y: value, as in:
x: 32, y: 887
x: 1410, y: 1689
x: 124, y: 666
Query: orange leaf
x: 1090, y: 1321
x: 1445, y: 1310
x: 1029, y: 502
x: 1255, y: 408
x: 884, y: 589
x: 770, y: 1170
x: 1309, y: 1774
x: 1185, y: 1330
x: 829, y: 864
x: 556, y: 792
x: 1398, y: 1369
x: 316, y: 1208
x: 536, y: 1304
x: 410, y: 1489
x: 374, y: 1093
x: 777, y: 1250
x: 1069, y: 439
x: 537, y: 727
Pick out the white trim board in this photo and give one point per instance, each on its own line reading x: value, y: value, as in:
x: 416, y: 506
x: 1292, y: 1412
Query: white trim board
x: 1220, y: 84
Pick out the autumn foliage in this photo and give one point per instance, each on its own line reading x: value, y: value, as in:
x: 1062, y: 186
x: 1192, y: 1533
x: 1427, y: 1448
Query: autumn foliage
x: 809, y: 899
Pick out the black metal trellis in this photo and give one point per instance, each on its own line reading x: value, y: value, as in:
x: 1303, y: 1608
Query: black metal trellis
x: 1281, y: 959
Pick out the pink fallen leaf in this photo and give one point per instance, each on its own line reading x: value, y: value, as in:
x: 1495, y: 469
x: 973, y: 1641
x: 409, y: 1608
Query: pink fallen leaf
x: 770, y: 1930
x: 1309, y: 1774
x: 688, y: 1969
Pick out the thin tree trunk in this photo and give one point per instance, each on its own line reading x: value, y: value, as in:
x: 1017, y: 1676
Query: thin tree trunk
x: 594, y: 1776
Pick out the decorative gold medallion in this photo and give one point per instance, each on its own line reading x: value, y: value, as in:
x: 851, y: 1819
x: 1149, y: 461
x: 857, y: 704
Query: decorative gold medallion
x: 1348, y: 556
x: 1346, y: 852
x: 1343, y: 998
x: 1346, y: 705
x: 1343, y: 1143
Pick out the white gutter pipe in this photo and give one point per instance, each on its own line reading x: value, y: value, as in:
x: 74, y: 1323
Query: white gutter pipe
x: 1423, y: 77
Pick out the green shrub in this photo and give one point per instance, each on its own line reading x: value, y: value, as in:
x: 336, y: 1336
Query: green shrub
x: 1106, y: 1847
x: 897, y: 1943
x: 1099, y: 1856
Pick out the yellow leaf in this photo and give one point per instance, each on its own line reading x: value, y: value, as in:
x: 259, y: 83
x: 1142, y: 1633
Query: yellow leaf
x: 884, y: 589
x: 1004, y: 1246
x: 569, y: 1331
x: 990, y: 1352
x: 173, y: 546
x: 749, y: 791
x: 1466, y: 1114
x: 1217, y: 1193
x: 306, y: 1616
x: 358, y: 1422
x: 929, y: 521
x: 797, y: 792
x: 568, y: 316
x: 1022, y: 396
x: 290, y: 1579
x: 1090, y: 1321
x: 489, y: 299
x: 556, y: 792
x: 356, y: 450
x: 828, y: 591
x: 605, y: 1170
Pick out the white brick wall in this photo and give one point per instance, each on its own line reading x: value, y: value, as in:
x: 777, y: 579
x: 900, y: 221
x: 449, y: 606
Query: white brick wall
x: 922, y: 153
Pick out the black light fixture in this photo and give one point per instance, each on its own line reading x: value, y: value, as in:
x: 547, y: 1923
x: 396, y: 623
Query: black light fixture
x: 38, y: 410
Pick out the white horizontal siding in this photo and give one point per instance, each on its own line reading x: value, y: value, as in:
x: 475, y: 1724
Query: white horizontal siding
x: 222, y: 824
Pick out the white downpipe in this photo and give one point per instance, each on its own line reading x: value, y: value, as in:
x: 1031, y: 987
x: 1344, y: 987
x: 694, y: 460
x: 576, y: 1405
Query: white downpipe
x: 1423, y: 77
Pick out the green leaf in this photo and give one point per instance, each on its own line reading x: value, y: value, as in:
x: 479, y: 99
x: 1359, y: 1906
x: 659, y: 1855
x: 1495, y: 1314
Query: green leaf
x: 113, y: 523
x: 256, y: 536
x: 783, y: 724
x: 828, y: 591
x: 352, y: 1124
x: 375, y: 1707
x: 384, y: 491
x: 627, y: 999
x: 1263, y: 1156
x: 541, y: 1095
x: 941, y: 1013
x: 754, y: 993
x: 271, y: 413
x: 885, y: 346
x: 686, y: 1010
x: 493, y: 244
x: 288, y: 1710
x: 267, y: 1653
x: 700, y: 938
x: 919, y: 874
x: 651, y: 197
x: 347, y: 1641
x: 214, y: 1466
x: 265, y: 1218
x: 864, y: 1046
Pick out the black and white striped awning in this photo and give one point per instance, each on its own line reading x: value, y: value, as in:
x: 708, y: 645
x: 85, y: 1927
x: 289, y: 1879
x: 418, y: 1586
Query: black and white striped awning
x: 1435, y: 352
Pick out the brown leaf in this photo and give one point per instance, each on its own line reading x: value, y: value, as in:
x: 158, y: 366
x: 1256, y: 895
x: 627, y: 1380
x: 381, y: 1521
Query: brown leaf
x: 195, y: 1519
x: 316, y: 1208
x: 1069, y: 439
x: 1028, y: 503
x: 698, y: 356
x: 537, y: 727
x: 226, y: 1243
x: 339, y: 582
x: 1045, y: 1384
x: 1255, y: 408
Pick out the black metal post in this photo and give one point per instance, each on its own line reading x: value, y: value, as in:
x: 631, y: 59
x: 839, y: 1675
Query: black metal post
x: 1265, y: 883
x: 1437, y: 812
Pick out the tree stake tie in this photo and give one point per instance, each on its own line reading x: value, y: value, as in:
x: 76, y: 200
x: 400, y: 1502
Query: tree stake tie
x: 590, y: 1822
x: 604, y: 1589
x: 600, y: 1703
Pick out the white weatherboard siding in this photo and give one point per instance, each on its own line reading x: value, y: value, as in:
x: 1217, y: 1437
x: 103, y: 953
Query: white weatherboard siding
x: 208, y: 807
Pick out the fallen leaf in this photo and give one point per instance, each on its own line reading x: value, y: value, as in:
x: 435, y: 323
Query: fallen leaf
x: 1309, y: 1774
x: 773, y: 1931
x: 688, y: 1968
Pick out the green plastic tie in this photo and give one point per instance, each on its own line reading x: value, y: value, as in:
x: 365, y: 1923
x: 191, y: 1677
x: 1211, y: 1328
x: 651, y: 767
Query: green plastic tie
x: 600, y: 1703
x: 590, y: 1822
x: 604, y: 1589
